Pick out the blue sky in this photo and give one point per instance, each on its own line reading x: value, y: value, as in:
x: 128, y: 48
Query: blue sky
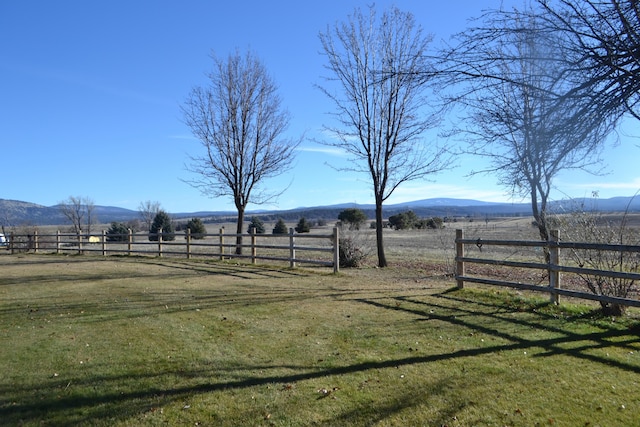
x: 90, y: 96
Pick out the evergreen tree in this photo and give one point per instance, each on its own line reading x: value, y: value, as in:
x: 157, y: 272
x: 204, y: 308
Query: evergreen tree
x: 118, y: 232
x: 280, y: 228
x: 162, y: 221
x: 197, y: 228
x: 257, y: 224
x: 303, y: 226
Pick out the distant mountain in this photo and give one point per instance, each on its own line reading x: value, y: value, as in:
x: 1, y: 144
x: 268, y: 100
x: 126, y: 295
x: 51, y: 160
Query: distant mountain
x: 14, y: 212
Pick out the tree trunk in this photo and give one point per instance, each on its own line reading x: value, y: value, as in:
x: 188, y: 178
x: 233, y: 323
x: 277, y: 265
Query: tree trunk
x: 382, y: 259
x: 240, y: 223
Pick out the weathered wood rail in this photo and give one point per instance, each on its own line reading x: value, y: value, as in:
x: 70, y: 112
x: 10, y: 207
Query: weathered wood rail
x: 553, y: 267
x: 220, y: 245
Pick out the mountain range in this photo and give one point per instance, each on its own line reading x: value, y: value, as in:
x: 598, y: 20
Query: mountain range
x: 14, y: 212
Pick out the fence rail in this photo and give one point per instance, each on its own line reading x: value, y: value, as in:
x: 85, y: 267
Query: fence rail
x: 553, y: 267
x: 271, y: 246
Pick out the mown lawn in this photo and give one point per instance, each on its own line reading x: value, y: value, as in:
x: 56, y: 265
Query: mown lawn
x: 89, y: 341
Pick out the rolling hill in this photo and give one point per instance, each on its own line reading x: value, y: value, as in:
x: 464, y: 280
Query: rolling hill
x: 14, y: 212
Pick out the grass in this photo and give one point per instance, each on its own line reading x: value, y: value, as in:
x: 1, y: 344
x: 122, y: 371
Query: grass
x: 133, y: 341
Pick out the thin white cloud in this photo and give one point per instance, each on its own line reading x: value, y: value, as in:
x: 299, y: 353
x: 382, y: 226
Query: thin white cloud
x: 624, y: 185
x: 332, y: 151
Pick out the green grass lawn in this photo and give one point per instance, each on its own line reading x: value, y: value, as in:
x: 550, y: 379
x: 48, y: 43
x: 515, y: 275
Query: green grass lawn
x: 89, y: 341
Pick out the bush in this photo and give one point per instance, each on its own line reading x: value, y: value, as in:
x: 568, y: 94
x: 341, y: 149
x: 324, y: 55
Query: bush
x: 303, y: 226
x: 403, y: 220
x: 196, y: 228
x: 162, y: 221
x: 118, y: 232
x: 280, y: 227
x: 350, y: 253
x: 257, y: 224
x: 353, y: 217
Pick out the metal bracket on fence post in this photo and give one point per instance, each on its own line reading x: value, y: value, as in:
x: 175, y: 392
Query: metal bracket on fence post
x: 554, y: 261
x: 460, y: 268
x: 292, y: 249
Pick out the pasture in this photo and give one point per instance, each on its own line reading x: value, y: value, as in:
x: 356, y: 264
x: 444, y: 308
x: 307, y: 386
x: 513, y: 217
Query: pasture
x: 122, y: 341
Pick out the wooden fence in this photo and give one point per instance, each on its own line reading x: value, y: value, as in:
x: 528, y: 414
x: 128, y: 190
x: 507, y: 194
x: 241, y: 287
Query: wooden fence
x: 271, y: 247
x: 553, y: 267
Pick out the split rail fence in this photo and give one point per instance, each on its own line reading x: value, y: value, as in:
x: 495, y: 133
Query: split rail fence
x: 273, y: 247
x: 553, y: 268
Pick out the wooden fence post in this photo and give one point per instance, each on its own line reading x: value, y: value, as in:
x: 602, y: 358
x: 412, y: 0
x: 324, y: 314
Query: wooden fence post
x: 35, y: 241
x: 57, y: 241
x: 12, y: 245
x: 160, y: 242
x: 253, y: 245
x: 188, y: 243
x: 336, y: 249
x: 554, y: 261
x: 129, y: 241
x: 79, y: 243
x: 292, y: 249
x: 460, y: 268
x: 104, y: 243
x: 221, y: 243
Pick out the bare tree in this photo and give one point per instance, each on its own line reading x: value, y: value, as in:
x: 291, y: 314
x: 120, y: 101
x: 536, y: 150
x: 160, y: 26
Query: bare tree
x: 520, y: 116
x: 239, y: 120
x: 148, y: 211
x: 381, y: 109
x: 79, y: 211
x: 602, y: 39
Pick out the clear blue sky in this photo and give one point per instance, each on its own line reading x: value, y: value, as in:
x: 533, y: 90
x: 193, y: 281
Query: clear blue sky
x: 90, y: 95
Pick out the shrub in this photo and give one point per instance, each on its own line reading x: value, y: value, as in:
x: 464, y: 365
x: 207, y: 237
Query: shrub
x: 197, y: 228
x: 353, y: 217
x: 351, y: 254
x: 280, y: 227
x: 257, y: 224
x: 162, y: 221
x: 403, y: 220
x: 303, y: 226
x: 118, y: 232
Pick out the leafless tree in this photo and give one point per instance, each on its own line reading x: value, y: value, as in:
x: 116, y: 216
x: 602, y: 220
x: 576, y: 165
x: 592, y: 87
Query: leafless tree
x: 602, y: 39
x: 79, y: 211
x: 148, y: 211
x: 381, y: 111
x: 239, y: 119
x: 516, y: 84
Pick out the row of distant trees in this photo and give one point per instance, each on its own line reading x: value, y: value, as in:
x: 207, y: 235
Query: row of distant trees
x: 537, y: 90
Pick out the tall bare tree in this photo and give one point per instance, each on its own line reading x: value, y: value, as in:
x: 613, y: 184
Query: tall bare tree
x: 148, y: 211
x: 381, y: 110
x: 79, y: 211
x: 602, y: 39
x: 240, y: 121
x: 515, y: 86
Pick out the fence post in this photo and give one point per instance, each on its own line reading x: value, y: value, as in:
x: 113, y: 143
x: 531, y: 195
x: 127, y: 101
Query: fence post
x: 35, y: 241
x: 292, y: 249
x: 79, y: 243
x: 253, y: 245
x: 12, y: 245
x: 336, y: 249
x: 160, y: 242
x: 460, y: 268
x: 129, y: 241
x: 554, y: 261
x: 57, y: 241
x: 188, y: 243
x: 104, y: 243
x: 221, y: 243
